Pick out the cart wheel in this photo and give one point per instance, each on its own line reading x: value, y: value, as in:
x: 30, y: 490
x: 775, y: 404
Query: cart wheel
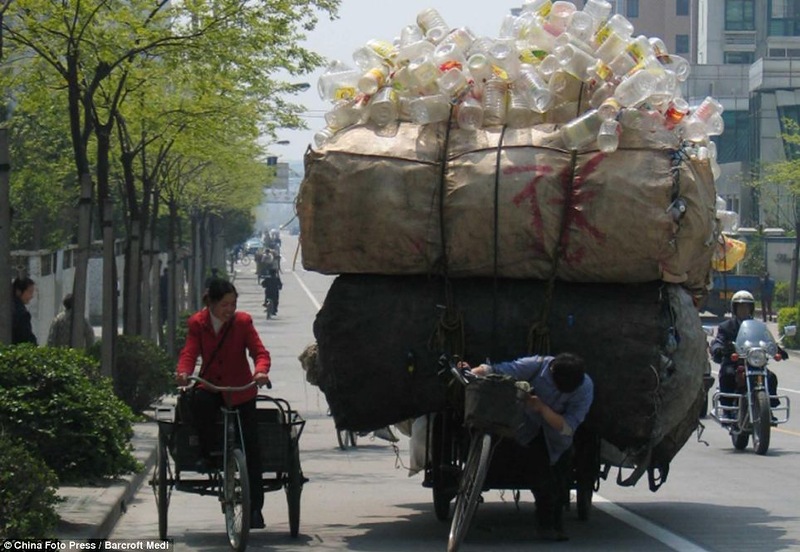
x: 160, y: 483
x: 294, y: 487
x: 236, y: 500
x: 443, y: 467
x: 469, y: 489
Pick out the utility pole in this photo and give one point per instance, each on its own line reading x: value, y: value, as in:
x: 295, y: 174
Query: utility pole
x: 5, y: 211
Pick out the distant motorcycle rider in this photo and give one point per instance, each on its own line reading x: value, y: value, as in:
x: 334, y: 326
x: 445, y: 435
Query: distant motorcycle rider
x: 743, y: 306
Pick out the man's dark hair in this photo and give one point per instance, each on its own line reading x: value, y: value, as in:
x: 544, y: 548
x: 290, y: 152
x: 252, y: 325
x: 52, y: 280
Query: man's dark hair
x: 21, y: 284
x: 568, y: 372
x: 68, y: 301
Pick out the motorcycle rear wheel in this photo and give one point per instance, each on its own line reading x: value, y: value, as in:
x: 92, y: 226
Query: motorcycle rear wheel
x: 762, y: 419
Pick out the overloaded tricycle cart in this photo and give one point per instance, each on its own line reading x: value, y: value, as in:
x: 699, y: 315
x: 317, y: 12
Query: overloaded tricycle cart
x: 472, y: 450
x: 178, y: 456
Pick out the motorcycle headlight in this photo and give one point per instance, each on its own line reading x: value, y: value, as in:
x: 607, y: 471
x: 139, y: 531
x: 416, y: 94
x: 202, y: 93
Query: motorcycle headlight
x: 757, y: 357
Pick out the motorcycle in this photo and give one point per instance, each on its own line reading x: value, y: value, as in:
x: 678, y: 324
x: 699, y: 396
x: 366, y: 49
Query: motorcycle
x: 751, y: 410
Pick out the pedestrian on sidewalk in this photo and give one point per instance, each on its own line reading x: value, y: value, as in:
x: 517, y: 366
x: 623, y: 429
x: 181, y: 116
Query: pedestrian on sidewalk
x: 222, y: 337
x: 60, y: 334
x: 22, y: 290
x: 767, y: 291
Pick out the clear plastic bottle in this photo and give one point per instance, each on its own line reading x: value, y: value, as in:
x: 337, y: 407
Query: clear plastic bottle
x: 675, y: 113
x: 565, y: 87
x: 618, y: 24
x: 338, y: 82
x: 582, y: 131
x: 453, y: 83
x: 698, y: 125
x: 519, y: 113
x: 373, y: 53
x: 461, y: 37
x: 470, y: 114
x: 343, y: 114
x: 410, y: 34
x: 530, y: 83
x: 504, y: 55
x: 480, y: 68
x: 581, y: 25
x: 534, y: 33
x: 433, y: 24
x: 613, y: 45
x: 609, y: 109
x: 424, y: 72
x: 429, y: 109
x: 383, y: 107
x: 323, y: 136
x: 608, y: 136
x: 374, y: 79
x: 636, y: 88
x: 409, y: 52
x: 599, y: 10
x: 548, y: 66
x: 575, y: 61
x: 559, y: 16
x: 495, y: 102
x: 539, y: 7
x: 447, y: 56
x: 480, y: 45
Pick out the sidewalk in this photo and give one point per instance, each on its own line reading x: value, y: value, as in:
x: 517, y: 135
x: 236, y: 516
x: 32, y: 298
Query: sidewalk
x: 92, y: 512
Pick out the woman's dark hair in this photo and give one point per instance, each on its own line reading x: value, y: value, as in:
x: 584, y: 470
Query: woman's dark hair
x: 21, y: 284
x: 217, y: 289
x: 568, y: 372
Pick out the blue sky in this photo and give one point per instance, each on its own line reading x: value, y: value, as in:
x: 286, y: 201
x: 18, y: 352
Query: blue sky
x: 362, y: 20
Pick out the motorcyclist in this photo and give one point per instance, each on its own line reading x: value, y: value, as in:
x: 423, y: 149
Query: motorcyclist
x: 743, y: 305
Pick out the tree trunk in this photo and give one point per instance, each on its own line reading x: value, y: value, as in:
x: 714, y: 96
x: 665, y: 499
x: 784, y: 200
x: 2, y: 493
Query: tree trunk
x: 82, y: 257
x: 172, y: 265
x: 110, y: 288
x: 5, y: 237
x: 793, y: 282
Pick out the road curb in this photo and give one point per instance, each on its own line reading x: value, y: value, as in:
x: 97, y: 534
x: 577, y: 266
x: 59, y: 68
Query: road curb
x: 92, y: 512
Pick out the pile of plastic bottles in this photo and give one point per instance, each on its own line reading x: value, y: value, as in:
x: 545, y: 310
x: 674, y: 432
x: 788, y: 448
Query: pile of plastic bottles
x: 546, y: 64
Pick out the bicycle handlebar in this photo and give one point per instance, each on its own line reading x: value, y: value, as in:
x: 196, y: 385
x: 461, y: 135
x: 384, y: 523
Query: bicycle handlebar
x: 213, y: 387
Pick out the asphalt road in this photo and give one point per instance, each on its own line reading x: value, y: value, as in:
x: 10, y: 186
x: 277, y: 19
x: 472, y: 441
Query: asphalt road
x: 715, y: 498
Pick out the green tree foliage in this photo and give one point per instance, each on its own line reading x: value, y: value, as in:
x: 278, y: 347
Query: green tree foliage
x: 53, y: 399
x: 27, y: 492
x: 142, y: 373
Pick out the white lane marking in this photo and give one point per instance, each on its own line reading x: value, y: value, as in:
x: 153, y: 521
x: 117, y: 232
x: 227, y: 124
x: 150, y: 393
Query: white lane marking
x: 308, y: 291
x: 649, y: 528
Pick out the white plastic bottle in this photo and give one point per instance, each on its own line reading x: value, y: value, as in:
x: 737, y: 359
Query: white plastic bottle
x: 371, y: 81
x: 495, y: 102
x: 429, y: 109
x: 453, y: 83
x: 636, y: 88
x: 599, y: 10
x: 608, y: 136
x: 575, y: 61
x: 470, y: 114
x: 433, y: 24
x: 582, y: 131
x: 338, y: 82
x: 698, y: 125
x: 534, y: 87
x: 504, y: 55
x: 519, y: 113
x: 383, y: 107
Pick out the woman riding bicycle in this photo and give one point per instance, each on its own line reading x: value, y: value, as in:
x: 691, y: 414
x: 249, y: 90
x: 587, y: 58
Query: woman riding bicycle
x: 222, y: 337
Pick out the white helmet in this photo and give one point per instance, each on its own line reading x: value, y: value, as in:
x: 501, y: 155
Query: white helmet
x: 743, y: 297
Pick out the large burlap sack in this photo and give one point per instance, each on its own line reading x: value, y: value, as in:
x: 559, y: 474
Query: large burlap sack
x: 421, y: 200
x: 380, y: 338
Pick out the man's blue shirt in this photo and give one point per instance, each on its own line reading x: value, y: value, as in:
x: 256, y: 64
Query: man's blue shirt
x: 573, y: 406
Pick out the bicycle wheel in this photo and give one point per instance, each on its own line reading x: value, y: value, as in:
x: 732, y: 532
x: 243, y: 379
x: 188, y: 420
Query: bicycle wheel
x: 469, y: 488
x: 236, y: 500
x: 160, y: 483
x: 294, y: 488
x: 245, y: 260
